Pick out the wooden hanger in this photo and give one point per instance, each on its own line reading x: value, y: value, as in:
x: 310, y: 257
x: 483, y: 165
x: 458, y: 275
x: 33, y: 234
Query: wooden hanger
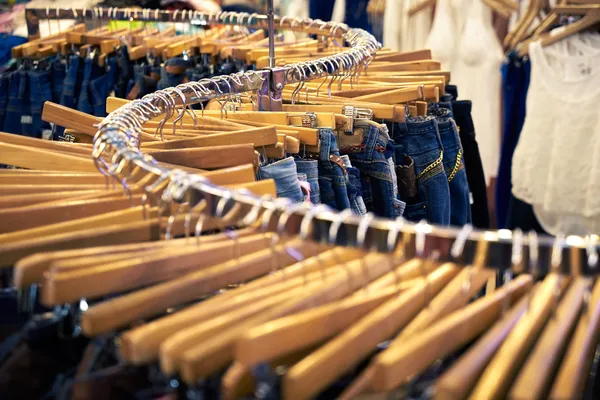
x: 403, y: 361
x: 576, y: 364
x: 454, y: 296
x: 215, y: 353
x: 504, y: 366
x: 141, y: 344
x: 333, y: 359
x: 29, y: 270
x: 535, y: 379
x: 459, y: 380
x: 520, y: 30
x: 591, y: 18
x: 61, y: 287
x: 137, y: 305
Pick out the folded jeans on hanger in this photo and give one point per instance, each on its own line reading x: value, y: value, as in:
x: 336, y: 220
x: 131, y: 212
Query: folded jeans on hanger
x: 419, y: 139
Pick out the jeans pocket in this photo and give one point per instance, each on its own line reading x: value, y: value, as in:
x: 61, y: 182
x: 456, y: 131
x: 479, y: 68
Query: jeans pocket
x: 399, y: 208
x: 416, y: 212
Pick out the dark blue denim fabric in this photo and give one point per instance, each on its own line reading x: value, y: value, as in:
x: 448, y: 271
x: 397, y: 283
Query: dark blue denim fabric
x: 112, y: 72
x: 378, y: 182
x: 452, y: 90
x: 91, y: 71
x: 357, y: 202
x: 4, y: 85
x: 473, y: 166
x: 332, y: 178
x: 311, y: 169
x: 286, y: 178
x: 59, y: 73
x: 454, y: 166
x: 99, y: 91
x: 83, y: 102
x: 142, y: 79
x: 7, y: 42
x: 419, y: 139
x: 125, y: 73
x: 170, y: 80
x: 70, y: 86
x: 515, y: 84
x: 17, y: 108
x: 40, y: 91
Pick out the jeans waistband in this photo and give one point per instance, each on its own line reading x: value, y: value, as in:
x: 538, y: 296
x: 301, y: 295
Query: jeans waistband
x: 308, y: 167
x: 443, y: 117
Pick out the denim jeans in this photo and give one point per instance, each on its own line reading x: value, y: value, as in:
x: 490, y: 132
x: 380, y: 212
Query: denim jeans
x: 112, y: 73
x: 91, y: 72
x: 143, y: 82
x: 40, y: 91
x: 419, y: 139
x: 59, y: 73
x: 168, y: 79
x: 354, y: 188
x: 286, y: 178
x: 332, y: 177
x: 125, y: 73
x: 17, y: 109
x: 311, y: 169
x: 454, y: 166
x: 69, y: 94
x: 378, y: 182
x: 4, y: 85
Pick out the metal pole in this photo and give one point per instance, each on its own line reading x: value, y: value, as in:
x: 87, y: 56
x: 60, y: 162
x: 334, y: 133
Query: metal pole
x: 271, y: 28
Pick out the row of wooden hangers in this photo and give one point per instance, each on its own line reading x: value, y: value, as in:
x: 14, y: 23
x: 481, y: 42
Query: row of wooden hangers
x: 322, y: 310
x: 319, y: 309
x: 526, y: 31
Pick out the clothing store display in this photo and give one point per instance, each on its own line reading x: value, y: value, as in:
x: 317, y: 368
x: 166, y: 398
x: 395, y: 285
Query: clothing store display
x: 185, y: 216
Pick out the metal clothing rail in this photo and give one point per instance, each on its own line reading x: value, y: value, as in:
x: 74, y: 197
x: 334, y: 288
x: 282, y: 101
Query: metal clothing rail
x: 35, y: 16
x: 116, y: 153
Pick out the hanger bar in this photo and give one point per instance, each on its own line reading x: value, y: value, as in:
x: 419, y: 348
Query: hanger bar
x: 117, y: 142
x: 193, y: 17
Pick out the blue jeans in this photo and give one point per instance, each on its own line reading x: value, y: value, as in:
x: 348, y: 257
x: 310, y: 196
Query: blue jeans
x: 311, y: 169
x: 125, y: 73
x: 91, y: 72
x: 168, y: 79
x: 332, y: 177
x: 286, y: 178
x: 357, y: 202
x: 4, y: 85
x: 419, y: 139
x: 378, y: 181
x: 59, y: 73
x: 454, y: 166
x: 112, y: 72
x: 17, y: 109
x: 40, y: 91
x: 70, y: 86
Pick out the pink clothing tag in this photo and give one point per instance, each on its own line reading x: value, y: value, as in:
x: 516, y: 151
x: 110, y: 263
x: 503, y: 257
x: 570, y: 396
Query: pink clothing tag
x: 305, y: 186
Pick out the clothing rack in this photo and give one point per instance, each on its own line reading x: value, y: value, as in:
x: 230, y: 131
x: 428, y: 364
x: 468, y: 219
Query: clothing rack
x: 116, y: 151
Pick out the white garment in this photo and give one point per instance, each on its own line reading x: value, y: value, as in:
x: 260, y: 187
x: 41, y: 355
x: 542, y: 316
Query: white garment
x: 556, y: 165
x: 339, y: 11
x: 404, y: 33
x: 476, y: 72
x: 442, y: 37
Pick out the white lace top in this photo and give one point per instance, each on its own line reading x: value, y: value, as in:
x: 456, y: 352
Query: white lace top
x: 556, y: 165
